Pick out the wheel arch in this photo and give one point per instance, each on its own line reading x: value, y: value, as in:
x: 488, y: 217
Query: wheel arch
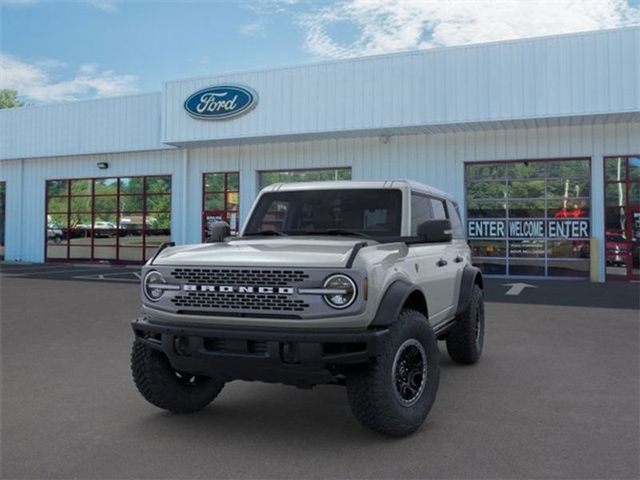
x: 470, y: 276
x: 400, y: 294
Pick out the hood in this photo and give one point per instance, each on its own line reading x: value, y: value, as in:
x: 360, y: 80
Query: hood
x: 264, y: 252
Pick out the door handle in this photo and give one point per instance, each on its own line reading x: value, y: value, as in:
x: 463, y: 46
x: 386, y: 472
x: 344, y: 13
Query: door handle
x: 442, y: 262
x: 458, y: 259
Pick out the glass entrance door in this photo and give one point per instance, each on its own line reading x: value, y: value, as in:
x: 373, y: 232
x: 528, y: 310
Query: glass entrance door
x: 622, y: 217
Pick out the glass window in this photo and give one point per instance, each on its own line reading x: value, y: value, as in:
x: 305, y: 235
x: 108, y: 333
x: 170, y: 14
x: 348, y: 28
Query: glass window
x: 57, y: 187
x: 131, y: 204
x: 486, y: 171
x: 456, y: 222
x: 81, y: 187
x: 570, y: 208
x: 106, y: 204
x: 288, y: 176
x: 531, y: 169
x: 158, y: 184
x: 438, y: 209
x: 420, y: 211
x: 568, y: 169
x: 131, y: 185
x: 486, y: 209
x: 106, y: 219
x: 488, y: 248
x: 214, y: 182
x: 616, y: 193
x: 543, y: 202
x: 81, y: 204
x: 57, y: 204
x: 526, y: 189
x: 615, y: 169
x: 373, y: 212
x: 486, y: 190
x: 214, y: 201
x: 527, y: 248
x: 221, y: 200
x: 106, y: 186
x: 568, y: 188
x: 568, y: 248
x: 526, y: 209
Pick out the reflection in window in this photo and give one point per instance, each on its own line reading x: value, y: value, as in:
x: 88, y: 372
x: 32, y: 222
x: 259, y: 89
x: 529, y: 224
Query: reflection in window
x: 288, y: 176
x: 525, y: 193
x: 108, y: 219
x: 221, y: 200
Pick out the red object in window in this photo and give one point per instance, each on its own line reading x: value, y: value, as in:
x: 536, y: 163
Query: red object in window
x: 570, y: 213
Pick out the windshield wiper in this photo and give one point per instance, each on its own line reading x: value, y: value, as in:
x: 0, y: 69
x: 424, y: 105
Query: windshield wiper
x: 340, y: 231
x: 265, y: 232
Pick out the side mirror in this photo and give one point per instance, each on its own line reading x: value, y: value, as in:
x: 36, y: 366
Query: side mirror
x: 435, y: 231
x: 217, y: 232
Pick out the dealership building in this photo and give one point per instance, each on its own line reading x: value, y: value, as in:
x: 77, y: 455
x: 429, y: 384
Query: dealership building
x: 538, y: 140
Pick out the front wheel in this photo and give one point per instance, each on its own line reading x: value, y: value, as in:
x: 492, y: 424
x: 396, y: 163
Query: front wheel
x: 161, y: 385
x: 394, y: 394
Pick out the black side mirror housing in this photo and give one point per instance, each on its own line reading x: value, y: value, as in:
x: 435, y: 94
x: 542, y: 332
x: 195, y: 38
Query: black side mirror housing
x: 217, y: 232
x: 435, y: 231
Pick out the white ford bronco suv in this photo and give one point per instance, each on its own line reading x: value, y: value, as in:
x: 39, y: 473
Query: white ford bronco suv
x: 347, y: 283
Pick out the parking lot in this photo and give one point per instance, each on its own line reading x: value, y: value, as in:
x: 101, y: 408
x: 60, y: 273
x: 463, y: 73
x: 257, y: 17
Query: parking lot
x: 556, y: 394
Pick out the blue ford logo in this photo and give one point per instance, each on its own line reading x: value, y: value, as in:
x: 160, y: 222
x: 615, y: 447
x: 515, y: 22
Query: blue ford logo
x: 221, y: 102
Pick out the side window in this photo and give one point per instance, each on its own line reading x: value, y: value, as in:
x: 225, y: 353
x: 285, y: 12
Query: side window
x: 456, y: 223
x: 439, y: 212
x: 420, y: 211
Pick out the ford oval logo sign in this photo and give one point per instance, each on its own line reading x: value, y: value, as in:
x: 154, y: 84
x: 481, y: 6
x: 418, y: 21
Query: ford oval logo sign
x: 221, y: 102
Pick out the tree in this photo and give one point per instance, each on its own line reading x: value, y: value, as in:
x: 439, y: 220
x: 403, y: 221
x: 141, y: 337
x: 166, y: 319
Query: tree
x: 9, y: 99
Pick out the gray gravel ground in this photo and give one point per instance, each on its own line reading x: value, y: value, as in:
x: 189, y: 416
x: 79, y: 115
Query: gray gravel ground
x: 556, y: 395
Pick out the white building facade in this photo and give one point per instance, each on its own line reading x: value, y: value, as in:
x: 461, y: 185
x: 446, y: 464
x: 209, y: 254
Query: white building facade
x: 538, y: 139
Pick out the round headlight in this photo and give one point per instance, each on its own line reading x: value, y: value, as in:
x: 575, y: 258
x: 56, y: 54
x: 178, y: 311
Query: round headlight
x: 151, y: 281
x: 343, y: 291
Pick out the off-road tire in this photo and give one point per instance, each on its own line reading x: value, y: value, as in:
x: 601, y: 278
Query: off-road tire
x: 371, y: 389
x: 465, y: 339
x: 162, y: 386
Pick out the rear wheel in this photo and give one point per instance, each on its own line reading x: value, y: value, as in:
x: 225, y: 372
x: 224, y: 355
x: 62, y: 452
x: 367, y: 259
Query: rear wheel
x: 161, y: 385
x: 465, y: 340
x: 394, y: 394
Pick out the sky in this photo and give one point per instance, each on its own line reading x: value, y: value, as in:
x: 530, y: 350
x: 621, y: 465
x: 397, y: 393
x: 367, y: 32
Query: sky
x: 54, y: 51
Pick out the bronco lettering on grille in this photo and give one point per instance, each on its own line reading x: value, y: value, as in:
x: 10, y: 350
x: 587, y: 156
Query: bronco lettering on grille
x: 237, y: 289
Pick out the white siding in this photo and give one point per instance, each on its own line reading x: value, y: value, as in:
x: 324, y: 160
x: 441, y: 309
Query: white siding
x: 594, y: 73
x: 436, y: 159
x: 98, y: 126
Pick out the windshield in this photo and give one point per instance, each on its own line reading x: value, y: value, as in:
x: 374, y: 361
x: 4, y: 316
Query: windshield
x: 364, y: 212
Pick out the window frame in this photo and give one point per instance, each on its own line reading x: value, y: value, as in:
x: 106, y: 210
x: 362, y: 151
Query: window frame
x: 93, y: 215
x: 507, y: 200
x: 225, y: 207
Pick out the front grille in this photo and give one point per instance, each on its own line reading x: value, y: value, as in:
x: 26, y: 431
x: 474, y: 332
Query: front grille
x: 214, y: 276
x: 238, y: 301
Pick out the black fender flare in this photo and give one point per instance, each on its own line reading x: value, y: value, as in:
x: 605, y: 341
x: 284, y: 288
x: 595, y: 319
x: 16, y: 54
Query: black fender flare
x: 392, y: 302
x: 470, y: 276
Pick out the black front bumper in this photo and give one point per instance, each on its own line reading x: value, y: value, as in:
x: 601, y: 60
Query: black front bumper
x: 292, y: 357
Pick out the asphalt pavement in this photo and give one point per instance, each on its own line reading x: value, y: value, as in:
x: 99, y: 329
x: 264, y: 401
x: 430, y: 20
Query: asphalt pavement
x: 556, y: 395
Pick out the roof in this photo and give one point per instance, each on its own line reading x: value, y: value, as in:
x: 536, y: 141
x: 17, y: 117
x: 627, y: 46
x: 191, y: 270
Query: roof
x: 355, y: 185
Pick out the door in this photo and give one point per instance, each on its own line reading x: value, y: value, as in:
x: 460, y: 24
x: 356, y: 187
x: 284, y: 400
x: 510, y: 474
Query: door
x: 434, y: 262
x: 622, y: 218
